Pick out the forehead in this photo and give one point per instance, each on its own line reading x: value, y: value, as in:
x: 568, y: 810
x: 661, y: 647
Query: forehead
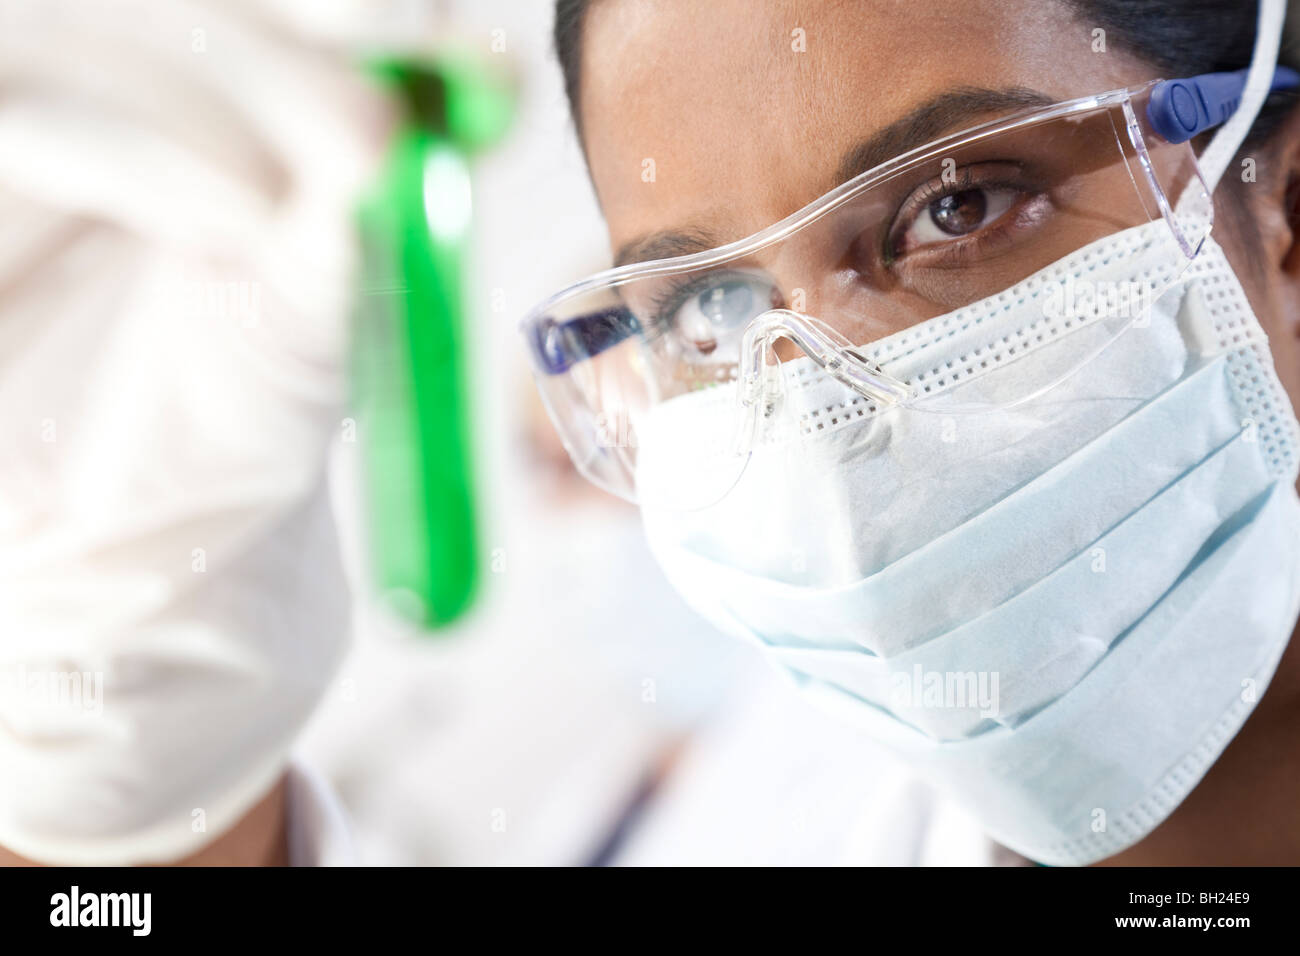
x: 724, y: 117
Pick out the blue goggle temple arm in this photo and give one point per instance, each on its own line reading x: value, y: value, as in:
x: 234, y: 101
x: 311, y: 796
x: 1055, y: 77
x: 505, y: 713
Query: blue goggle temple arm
x: 559, y: 345
x: 1181, y: 109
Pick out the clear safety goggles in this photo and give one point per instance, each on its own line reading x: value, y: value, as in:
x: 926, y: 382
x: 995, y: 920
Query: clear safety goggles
x: 924, y: 235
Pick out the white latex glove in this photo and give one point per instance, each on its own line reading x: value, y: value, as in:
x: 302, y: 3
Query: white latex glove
x: 176, y: 186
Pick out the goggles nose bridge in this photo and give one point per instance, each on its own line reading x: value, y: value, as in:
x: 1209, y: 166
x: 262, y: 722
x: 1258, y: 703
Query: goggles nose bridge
x: 761, y: 384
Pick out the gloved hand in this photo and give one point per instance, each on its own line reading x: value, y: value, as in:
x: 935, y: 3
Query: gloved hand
x: 176, y: 188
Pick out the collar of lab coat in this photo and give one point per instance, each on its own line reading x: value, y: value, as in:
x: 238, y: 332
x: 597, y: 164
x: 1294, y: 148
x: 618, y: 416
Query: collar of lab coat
x: 319, y: 834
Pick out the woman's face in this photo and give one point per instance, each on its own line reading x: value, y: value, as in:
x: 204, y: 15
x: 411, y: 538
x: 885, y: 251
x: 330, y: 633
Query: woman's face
x: 706, y: 122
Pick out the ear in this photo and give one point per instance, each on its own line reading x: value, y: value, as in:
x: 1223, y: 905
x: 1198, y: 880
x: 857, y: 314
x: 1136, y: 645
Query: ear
x: 1291, y: 208
x: 1257, y: 219
x: 1282, y: 220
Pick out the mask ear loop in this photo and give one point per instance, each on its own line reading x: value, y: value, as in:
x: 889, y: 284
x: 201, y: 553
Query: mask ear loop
x: 1218, y: 155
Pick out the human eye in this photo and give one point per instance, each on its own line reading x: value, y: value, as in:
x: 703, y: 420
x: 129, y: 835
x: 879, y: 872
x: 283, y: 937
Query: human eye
x: 707, y: 314
x: 965, y: 215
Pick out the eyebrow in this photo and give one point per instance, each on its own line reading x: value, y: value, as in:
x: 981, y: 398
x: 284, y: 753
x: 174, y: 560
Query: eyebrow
x: 922, y: 125
x: 665, y: 245
x: 931, y: 120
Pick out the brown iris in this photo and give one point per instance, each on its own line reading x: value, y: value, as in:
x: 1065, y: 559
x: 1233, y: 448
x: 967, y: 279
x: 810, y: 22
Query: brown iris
x: 959, y: 213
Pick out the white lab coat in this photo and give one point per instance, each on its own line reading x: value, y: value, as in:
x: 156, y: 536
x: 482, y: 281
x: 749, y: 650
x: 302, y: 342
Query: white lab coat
x: 319, y: 832
x: 774, y: 781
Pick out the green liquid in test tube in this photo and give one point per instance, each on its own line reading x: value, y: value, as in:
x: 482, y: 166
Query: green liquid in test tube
x: 410, y: 378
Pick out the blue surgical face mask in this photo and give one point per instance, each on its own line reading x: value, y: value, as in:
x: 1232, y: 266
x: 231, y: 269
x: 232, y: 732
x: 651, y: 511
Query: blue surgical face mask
x: 1062, y: 610
x: 1065, y: 632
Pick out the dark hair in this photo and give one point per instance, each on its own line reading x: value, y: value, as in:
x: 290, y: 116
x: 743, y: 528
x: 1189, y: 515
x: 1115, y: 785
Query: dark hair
x: 1179, y: 37
x: 567, y: 35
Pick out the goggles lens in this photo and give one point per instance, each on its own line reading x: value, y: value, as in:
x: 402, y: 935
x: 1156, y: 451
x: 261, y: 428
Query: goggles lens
x: 934, y: 232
